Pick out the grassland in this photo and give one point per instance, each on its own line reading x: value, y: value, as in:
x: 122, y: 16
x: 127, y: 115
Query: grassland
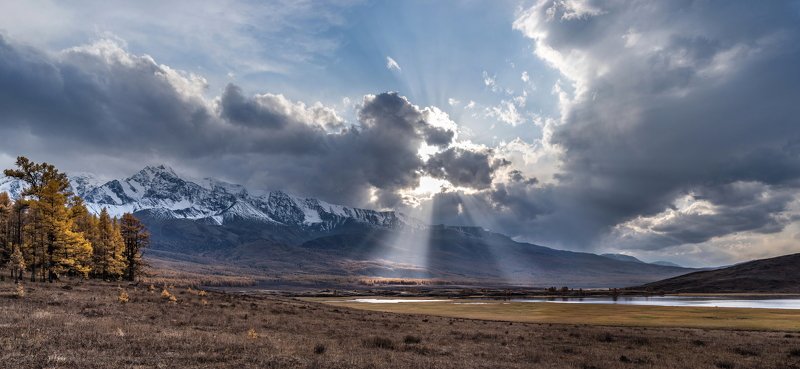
x: 78, y: 324
x: 596, y: 314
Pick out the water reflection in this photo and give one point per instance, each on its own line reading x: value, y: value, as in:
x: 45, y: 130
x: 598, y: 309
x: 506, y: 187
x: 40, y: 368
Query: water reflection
x: 699, y: 301
x: 692, y: 301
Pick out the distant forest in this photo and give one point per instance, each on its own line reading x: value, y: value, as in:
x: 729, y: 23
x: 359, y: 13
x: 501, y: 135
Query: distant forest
x: 48, y: 232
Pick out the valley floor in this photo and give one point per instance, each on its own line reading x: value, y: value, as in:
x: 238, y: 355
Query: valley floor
x: 84, y: 325
x: 595, y: 314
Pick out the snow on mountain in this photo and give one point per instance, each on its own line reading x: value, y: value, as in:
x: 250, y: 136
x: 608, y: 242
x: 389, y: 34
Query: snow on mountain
x: 164, y: 194
x: 11, y: 186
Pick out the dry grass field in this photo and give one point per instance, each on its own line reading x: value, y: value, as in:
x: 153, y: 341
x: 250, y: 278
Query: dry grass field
x: 595, y: 314
x: 95, y: 325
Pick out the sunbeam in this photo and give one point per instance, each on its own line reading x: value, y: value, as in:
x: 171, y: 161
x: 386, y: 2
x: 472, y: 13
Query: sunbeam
x: 512, y: 266
x: 405, y: 251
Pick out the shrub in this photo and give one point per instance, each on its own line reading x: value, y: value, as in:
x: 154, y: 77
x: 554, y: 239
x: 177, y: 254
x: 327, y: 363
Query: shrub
x: 319, y: 349
x: 746, y: 351
x: 606, y: 337
x: 795, y: 352
x: 252, y: 334
x: 725, y: 365
x: 19, y: 292
x: 411, y: 340
x: 123, y: 297
x: 379, y: 342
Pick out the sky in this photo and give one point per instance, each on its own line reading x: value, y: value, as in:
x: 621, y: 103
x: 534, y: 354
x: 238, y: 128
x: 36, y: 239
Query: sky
x: 662, y: 130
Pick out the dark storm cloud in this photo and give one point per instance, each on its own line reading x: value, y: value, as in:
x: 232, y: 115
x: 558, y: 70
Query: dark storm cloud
x: 237, y: 108
x: 92, y: 96
x: 674, y: 98
x: 464, y: 168
x: 102, y: 109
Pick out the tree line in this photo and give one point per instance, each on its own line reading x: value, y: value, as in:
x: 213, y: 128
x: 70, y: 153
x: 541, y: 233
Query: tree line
x: 48, y: 231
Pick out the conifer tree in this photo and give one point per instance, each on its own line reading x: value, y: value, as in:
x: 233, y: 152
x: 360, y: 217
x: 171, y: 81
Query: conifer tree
x: 102, y: 245
x: 17, y: 263
x: 17, y: 223
x: 53, y: 233
x: 32, y: 245
x: 136, y: 238
x: 6, y: 208
x: 118, y: 261
x: 73, y: 252
x: 50, y: 243
x: 82, y: 220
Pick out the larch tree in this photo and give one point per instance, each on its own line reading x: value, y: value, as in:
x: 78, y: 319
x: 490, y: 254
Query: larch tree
x: 53, y: 246
x: 136, y: 238
x: 108, y: 248
x: 101, y: 245
x: 17, y: 263
x: 52, y: 233
x: 6, y: 212
x: 19, y: 217
x: 118, y: 249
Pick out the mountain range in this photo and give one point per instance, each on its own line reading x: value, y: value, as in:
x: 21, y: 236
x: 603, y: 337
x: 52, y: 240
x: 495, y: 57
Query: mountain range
x: 279, y: 234
x: 624, y: 257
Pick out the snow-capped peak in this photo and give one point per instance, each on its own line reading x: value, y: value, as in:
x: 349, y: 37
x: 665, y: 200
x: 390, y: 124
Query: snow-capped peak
x: 162, y: 192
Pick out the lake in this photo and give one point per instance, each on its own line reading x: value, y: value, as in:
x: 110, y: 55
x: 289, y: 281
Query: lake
x: 698, y: 301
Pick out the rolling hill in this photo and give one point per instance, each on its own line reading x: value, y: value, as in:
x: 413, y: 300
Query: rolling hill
x: 774, y: 275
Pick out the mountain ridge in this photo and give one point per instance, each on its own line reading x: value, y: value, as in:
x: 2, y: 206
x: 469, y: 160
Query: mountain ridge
x: 213, y: 201
x: 623, y: 257
x: 283, y: 234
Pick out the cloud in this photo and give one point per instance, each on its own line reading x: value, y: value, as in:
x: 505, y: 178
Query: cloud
x: 699, y: 103
x: 100, y: 108
x: 490, y: 81
x: 506, y: 112
x: 464, y: 167
x: 274, y: 111
x: 223, y: 36
x: 391, y: 64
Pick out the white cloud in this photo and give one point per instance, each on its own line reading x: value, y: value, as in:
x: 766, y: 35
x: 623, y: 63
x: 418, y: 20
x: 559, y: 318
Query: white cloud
x: 506, y: 112
x: 490, y: 81
x: 573, y: 9
x: 221, y: 36
x: 521, y: 100
x: 453, y: 102
x: 391, y: 64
